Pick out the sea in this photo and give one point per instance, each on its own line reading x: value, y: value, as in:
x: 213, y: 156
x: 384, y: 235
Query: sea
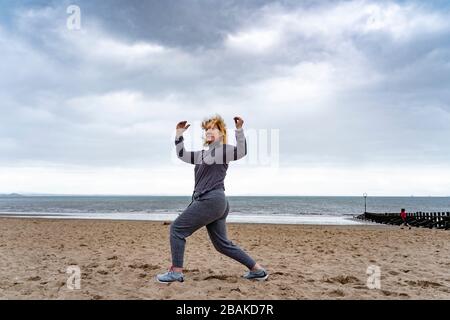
x: 243, y: 209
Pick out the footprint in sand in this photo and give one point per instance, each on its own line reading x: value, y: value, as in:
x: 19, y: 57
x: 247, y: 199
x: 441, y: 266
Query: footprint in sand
x: 342, y: 279
x: 221, y: 277
x: 337, y: 293
x: 144, y: 266
x: 102, y: 272
x: 424, y: 284
x: 393, y: 273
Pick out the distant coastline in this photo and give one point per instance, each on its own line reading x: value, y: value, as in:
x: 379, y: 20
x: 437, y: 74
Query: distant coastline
x: 15, y: 195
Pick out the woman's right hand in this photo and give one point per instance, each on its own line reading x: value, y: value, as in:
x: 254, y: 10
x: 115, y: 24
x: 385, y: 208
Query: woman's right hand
x: 181, y: 128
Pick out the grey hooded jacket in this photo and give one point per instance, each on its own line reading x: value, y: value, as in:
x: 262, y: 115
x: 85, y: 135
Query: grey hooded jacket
x: 211, y: 165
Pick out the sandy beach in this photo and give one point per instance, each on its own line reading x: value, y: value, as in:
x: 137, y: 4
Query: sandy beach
x: 119, y: 260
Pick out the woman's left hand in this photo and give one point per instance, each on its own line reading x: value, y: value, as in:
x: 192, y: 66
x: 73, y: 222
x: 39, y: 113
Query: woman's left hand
x: 238, y: 122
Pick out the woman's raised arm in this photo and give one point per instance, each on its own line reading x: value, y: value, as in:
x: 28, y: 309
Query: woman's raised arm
x: 240, y: 150
x: 192, y: 157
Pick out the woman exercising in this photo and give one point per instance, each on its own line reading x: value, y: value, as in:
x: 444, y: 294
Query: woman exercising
x: 209, y: 206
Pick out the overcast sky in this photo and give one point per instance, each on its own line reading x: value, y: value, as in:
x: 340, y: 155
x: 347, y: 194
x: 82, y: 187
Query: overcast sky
x: 354, y: 95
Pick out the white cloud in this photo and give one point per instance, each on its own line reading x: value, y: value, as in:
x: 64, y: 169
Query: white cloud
x: 341, y: 19
x: 403, y: 22
x: 118, y: 107
x: 253, y: 41
x: 95, y: 46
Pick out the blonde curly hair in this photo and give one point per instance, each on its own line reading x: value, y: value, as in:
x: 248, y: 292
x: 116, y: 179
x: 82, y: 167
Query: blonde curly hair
x: 218, y: 121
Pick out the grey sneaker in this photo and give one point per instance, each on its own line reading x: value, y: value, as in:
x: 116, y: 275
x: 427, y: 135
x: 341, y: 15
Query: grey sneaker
x: 170, y: 276
x: 259, y: 275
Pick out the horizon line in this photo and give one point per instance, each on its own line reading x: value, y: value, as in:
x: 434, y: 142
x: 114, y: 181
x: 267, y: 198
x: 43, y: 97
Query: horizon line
x: 188, y: 195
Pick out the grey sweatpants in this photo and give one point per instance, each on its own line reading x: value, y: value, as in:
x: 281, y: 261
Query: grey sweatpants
x: 211, y: 210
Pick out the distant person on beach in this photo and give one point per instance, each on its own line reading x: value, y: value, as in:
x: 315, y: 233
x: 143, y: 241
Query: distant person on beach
x: 403, y: 216
x: 209, y: 206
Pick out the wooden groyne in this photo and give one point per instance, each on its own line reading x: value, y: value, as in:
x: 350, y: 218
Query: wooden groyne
x: 439, y: 220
